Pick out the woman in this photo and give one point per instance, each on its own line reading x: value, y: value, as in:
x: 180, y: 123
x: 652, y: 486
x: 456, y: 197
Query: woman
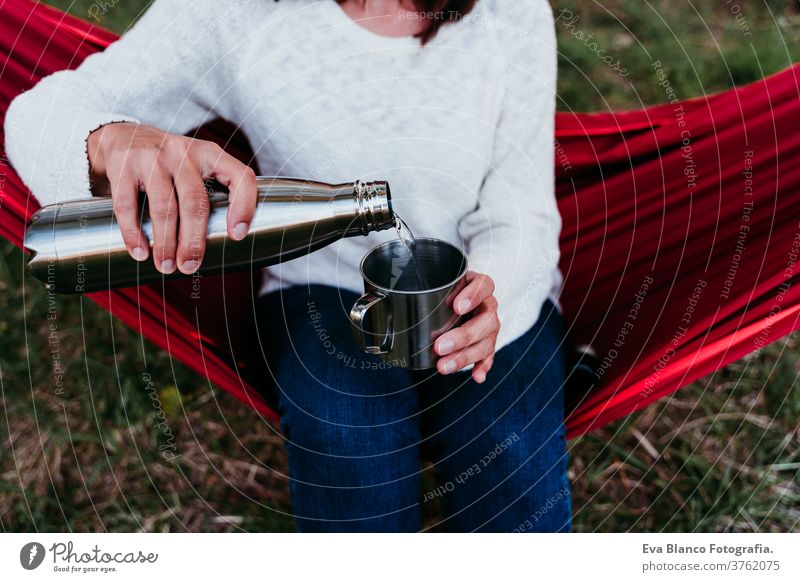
x: 451, y: 102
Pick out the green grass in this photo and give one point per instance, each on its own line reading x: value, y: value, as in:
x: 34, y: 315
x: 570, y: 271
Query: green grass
x: 720, y: 455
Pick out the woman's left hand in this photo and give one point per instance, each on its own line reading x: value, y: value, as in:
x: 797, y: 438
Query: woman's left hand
x: 474, y: 341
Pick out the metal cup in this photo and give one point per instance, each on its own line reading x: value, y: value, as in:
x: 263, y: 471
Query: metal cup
x: 398, y: 319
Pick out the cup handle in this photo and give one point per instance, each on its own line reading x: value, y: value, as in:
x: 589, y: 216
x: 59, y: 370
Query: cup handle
x: 358, y: 315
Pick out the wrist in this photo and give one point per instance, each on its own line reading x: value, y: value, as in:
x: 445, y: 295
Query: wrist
x: 96, y: 143
x: 93, y: 151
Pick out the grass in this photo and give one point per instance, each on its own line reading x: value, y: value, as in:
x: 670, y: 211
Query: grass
x: 721, y: 455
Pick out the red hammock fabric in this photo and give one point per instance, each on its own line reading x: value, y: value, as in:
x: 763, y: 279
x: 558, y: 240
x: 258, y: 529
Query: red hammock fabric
x: 678, y: 248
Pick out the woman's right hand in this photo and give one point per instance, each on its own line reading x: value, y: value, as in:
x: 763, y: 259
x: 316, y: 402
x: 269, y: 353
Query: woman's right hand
x: 172, y: 170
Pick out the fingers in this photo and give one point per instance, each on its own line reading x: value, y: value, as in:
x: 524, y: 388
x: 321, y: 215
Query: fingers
x: 125, y: 199
x: 474, y: 341
x: 240, y: 180
x: 474, y: 353
x: 482, y: 368
x: 484, y: 324
x: 171, y: 170
x: 479, y: 288
x: 163, y: 205
x: 193, y: 208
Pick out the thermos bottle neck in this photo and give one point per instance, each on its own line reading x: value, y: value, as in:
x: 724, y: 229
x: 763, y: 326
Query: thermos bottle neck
x: 375, y: 206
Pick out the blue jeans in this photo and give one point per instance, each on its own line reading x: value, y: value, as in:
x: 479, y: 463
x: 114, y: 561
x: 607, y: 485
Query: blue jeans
x: 355, y: 428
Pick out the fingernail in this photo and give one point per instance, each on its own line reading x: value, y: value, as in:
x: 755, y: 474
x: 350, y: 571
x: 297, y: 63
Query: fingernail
x: 446, y: 346
x: 167, y: 266
x: 240, y: 230
x: 139, y: 254
x: 449, y: 366
x: 480, y: 377
x: 464, y: 305
x: 190, y: 266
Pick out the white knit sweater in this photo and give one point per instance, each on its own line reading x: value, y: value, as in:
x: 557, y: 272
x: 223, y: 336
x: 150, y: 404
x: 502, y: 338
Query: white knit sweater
x: 462, y: 128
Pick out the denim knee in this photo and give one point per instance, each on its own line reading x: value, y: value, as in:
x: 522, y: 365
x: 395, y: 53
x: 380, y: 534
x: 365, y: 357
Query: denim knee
x: 334, y: 439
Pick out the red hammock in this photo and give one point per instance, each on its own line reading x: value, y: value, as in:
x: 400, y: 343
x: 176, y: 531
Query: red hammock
x: 678, y: 248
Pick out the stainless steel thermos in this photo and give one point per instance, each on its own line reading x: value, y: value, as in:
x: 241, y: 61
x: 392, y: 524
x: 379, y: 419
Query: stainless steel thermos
x: 77, y: 246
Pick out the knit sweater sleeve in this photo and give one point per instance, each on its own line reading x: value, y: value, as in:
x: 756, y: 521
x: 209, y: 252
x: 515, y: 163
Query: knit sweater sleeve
x: 513, y: 234
x: 160, y: 73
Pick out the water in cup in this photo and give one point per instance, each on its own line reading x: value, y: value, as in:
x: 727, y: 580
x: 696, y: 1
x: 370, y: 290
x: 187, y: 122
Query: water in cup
x: 411, y: 276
